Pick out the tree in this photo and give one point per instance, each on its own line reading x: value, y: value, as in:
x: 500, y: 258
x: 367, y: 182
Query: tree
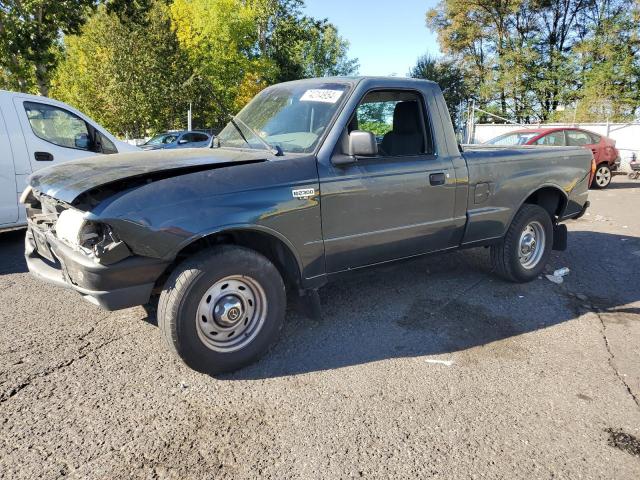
x: 321, y: 51
x: 132, y: 78
x: 450, y: 78
x: 527, y: 57
x: 239, y: 47
x: 30, y: 39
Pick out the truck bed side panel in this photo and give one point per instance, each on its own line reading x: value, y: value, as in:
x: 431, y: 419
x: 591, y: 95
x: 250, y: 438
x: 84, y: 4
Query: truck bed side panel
x: 501, y: 180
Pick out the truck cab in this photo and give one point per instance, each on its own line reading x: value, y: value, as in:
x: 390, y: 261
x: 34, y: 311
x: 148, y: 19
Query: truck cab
x: 37, y: 132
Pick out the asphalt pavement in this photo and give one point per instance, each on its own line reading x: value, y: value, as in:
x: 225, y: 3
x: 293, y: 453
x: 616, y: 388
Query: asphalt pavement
x: 431, y: 368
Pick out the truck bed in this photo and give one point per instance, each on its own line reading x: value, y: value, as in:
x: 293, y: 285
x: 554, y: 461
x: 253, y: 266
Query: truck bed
x: 499, y: 176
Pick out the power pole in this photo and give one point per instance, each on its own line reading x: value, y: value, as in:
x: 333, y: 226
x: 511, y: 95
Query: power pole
x: 189, y: 118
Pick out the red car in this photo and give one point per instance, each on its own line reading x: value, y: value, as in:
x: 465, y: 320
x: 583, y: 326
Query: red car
x: 605, y: 154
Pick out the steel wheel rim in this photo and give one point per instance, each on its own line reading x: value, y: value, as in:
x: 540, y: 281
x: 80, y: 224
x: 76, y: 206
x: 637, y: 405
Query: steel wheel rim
x: 603, y: 176
x: 231, y: 313
x: 532, y: 245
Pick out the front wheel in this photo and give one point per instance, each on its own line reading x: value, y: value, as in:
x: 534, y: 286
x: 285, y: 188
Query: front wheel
x: 603, y: 175
x: 222, y: 309
x: 525, y: 249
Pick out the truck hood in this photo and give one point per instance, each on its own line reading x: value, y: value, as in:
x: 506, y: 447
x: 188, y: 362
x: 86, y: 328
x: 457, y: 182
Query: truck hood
x: 69, y: 180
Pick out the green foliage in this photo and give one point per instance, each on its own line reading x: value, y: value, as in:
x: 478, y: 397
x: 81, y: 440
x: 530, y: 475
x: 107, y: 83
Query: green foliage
x: 30, y: 39
x: 136, y: 65
x: 450, y: 78
x: 239, y: 47
x: 130, y: 78
x: 528, y: 59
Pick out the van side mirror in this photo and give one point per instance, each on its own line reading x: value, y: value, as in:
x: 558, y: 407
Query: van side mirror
x: 362, y: 144
x: 82, y: 141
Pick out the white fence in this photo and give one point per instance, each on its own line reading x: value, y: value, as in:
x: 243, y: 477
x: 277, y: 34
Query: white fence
x: 627, y: 136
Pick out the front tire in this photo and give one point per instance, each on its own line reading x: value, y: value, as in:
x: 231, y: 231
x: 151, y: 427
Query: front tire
x: 603, y: 175
x: 525, y: 249
x: 222, y: 309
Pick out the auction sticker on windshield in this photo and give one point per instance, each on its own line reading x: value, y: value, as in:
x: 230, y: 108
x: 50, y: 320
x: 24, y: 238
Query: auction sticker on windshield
x: 321, y: 95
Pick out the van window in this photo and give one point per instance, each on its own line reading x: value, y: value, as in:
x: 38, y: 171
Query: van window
x: 58, y: 126
x: 106, y: 145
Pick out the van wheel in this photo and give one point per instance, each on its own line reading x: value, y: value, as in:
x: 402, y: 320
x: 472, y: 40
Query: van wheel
x: 602, y: 178
x: 222, y: 309
x: 525, y: 249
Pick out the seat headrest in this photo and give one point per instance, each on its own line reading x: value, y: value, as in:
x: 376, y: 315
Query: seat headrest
x: 406, y: 118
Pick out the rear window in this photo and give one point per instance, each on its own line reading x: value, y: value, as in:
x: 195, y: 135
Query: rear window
x: 576, y: 138
x: 594, y: 137
x: 516, y: 138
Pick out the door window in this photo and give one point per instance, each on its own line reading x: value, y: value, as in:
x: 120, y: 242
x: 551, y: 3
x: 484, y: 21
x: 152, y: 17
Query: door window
x: 576, y: 138
x: 106, y: 145
x: 200, y: 137
x: 555, y: 139
x: 397, y: 120
x: 58, y: 126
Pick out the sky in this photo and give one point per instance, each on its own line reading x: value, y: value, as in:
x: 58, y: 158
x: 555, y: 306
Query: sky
x: 387, y: 37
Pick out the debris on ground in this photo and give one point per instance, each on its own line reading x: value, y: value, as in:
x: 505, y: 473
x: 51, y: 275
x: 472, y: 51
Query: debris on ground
x: 557, y: 276
x: 554, y: 279
x: 624, y: 441
x: 447, y: 363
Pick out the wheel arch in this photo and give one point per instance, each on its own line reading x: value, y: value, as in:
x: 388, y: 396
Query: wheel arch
x: 550, y: 197
x: 274, y: 246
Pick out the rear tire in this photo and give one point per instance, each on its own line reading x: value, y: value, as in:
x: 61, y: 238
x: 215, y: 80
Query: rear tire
x: 602, y: 177
x: 222, y: 309
x: 525, y: 249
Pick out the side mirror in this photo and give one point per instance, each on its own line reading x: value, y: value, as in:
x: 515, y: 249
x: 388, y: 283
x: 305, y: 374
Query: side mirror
x: 82, y: 141
x: 182, y: 141
x: 362, y: 144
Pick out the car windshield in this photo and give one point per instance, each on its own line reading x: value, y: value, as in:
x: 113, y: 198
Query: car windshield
x: 516, y: 138
x: 162, y: 139
x: 292, y: 117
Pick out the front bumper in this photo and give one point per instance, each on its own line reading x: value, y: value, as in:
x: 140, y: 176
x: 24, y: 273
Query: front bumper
x: 121, y: 285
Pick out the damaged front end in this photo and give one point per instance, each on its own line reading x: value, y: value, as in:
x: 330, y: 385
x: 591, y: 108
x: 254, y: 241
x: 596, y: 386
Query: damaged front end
x: 66, y: 247
x: 73, y: 227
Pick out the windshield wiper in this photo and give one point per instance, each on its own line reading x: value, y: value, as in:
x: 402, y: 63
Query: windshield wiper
x: 276, y: 150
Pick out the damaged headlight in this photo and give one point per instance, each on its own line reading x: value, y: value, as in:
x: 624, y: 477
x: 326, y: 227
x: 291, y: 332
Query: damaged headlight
x: 92, y: 238
x: 73, y: 229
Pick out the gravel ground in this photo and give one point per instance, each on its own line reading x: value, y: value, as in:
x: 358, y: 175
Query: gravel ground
x: 430, y: 368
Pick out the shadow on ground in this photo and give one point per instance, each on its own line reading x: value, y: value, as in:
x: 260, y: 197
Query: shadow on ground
x: 624, y: 184
x: 433, y: 305
x: 12, y: 252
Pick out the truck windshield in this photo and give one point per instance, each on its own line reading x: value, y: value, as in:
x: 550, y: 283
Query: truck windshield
x: 292, y: 117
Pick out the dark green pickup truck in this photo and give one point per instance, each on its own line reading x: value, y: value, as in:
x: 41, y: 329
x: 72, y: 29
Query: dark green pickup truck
x: 310, y: 180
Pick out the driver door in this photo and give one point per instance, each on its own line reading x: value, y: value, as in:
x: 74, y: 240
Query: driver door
x: 396, y: 204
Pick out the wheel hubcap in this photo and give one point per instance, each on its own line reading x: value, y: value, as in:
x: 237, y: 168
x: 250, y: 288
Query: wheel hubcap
x: 231, y: 313
x: 532, y: 245
x: 603, y: 176
x: 228, y: 311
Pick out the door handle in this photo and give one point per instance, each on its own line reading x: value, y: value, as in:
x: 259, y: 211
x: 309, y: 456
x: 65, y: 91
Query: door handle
x: 437, y: 178
x: 43, y: 157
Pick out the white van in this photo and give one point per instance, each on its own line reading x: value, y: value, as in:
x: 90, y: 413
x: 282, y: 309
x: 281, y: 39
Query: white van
x: 37, y: 132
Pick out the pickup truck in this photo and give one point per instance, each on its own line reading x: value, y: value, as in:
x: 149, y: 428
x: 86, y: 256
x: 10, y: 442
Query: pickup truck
x: 312, y: 179
x: 37, y: 132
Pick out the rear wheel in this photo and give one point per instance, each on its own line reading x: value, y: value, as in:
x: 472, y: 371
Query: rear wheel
x: 525, y: 249
x: 602, y: 178
x: 222, y: 309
